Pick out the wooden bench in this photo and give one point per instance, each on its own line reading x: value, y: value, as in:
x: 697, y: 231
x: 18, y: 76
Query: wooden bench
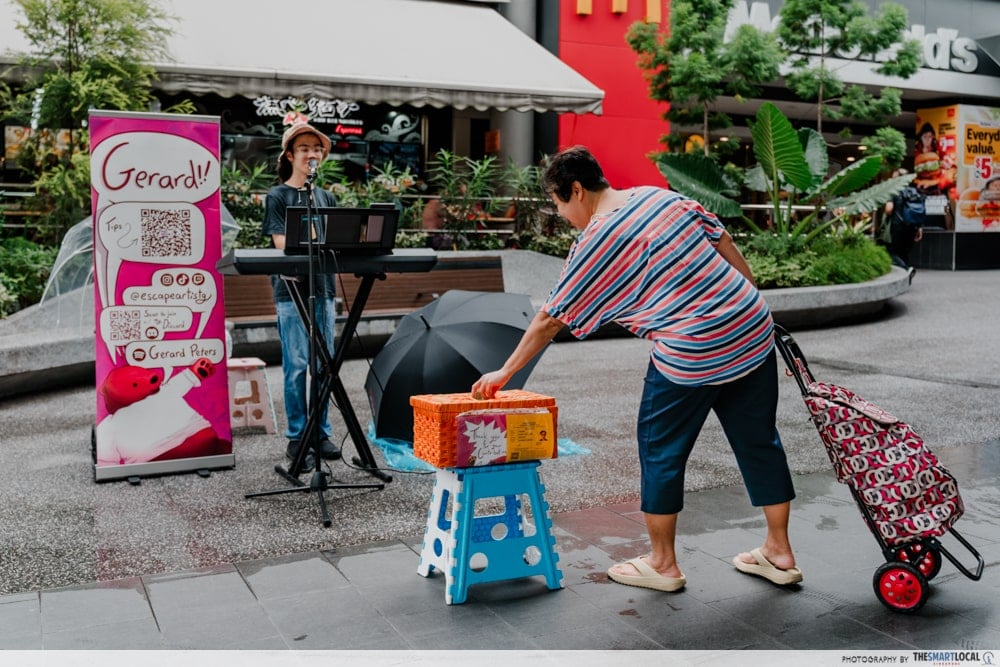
x: 249, y: 303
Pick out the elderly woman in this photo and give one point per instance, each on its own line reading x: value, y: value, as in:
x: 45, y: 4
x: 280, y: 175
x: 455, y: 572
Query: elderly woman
x: 658, y: 264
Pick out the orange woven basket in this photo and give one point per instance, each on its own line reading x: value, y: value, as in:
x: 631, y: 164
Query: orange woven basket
x: 435, y: 419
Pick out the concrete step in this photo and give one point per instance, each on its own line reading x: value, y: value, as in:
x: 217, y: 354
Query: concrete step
x: 52, y: 344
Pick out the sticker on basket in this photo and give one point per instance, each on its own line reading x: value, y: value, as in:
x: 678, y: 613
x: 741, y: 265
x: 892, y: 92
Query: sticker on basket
x: 487, y: 437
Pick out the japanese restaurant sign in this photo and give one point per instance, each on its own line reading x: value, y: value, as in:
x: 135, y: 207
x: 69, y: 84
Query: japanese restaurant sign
x: 162, y: 390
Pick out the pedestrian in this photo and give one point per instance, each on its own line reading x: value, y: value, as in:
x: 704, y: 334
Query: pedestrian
x: 658, y: 264
x: 303, y: 147
x: 903, y: 233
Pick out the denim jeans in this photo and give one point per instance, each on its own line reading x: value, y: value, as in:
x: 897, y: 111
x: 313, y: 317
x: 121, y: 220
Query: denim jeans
x: 295, y: 362
x: 670, y: 420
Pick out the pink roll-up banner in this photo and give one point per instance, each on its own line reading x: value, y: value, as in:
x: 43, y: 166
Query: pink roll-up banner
x: 162, y: 390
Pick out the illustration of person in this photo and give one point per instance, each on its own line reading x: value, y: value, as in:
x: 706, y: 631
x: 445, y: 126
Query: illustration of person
x: 926, y: 140
x: 149, y: 419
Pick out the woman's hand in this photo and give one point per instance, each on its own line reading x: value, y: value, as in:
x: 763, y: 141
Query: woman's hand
x: 489, y: 384
x: 540, y: 332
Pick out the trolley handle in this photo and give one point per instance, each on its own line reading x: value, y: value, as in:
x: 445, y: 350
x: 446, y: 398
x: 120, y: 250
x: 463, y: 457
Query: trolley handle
x: 796, y: 362
x: 954, y: 561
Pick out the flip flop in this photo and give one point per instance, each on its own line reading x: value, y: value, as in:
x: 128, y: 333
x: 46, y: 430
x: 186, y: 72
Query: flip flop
x: 764, y: 568
x: 647, y: 577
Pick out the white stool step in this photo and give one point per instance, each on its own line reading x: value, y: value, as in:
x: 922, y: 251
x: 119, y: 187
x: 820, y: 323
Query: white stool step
x: 250, y: 401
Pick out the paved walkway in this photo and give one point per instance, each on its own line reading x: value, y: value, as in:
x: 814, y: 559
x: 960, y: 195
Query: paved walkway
x: 182, y: 562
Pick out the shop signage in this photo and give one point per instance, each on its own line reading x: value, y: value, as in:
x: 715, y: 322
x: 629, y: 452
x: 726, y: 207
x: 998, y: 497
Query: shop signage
x: 339, y: 113
x: 944, y: 49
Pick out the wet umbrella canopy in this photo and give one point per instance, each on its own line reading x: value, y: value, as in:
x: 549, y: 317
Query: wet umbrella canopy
x: 442, y: 349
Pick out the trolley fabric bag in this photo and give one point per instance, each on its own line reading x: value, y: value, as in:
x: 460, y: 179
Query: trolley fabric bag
x: 909, y: 493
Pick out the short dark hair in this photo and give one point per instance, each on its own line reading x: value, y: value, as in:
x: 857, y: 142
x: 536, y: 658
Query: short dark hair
x: 574, y: 164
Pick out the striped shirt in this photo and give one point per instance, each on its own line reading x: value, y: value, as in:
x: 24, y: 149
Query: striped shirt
x: 652, y: 266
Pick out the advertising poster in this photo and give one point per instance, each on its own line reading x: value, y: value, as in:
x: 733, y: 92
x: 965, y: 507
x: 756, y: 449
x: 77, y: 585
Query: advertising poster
x: 966, y: 141
x: 162, y: 390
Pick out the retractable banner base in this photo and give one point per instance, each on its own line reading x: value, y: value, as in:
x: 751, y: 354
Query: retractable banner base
x: 136, y: 471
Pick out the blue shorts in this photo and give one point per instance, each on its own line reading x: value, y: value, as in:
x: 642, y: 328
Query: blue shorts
x: 671, y: 417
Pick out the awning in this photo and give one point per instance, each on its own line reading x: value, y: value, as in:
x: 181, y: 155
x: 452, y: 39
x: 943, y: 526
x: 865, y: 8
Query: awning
x: 418, y: 52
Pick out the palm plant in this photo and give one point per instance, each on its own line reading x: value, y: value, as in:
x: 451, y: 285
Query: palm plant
x: 792, y: 170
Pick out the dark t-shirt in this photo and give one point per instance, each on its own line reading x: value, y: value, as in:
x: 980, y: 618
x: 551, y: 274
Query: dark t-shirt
x: 278, y: 199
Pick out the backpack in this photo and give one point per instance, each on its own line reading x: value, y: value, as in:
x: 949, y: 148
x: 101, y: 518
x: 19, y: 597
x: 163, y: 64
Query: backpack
x: 909, y: 207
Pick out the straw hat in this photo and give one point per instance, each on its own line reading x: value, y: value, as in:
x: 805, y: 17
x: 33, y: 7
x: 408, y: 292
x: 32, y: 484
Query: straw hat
x: 302, y: 128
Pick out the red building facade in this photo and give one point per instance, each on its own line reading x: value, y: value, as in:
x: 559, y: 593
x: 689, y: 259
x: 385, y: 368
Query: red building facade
x: 592, y: 41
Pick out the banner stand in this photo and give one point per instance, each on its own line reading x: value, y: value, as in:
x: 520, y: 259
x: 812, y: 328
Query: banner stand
x: 160, y: 367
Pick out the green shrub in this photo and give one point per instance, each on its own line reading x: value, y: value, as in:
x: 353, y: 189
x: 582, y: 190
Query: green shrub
x: 25, y: 269
x: 832, y: 259
x: 242, y: 192
x: 8, y: 302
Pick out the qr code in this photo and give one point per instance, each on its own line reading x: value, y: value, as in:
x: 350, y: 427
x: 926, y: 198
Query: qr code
x: 125, y: 324
x: 165, y: 232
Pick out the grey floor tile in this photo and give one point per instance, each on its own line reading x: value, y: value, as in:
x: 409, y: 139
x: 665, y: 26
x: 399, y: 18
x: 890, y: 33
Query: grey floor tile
x: 291, y: 575
x: 217, y: 628
x: 20, y: 618
x: 618, y: 553
x: 380, y: 566
x: 133, y: 635
x: 935, y: 627
x: 319, y: 612
x: 340, y: 619
x: 542, y: 613
x: 805, y: 622
x: 466, y: 626
x: 723, y: 543
x: 99, y: 604
x: 684, y: 622
x: 530, y: 590
x: 196, y: 593
x: 581, y: 561
x: 606, y: 635
x: 32, y: 642
x: 422, y: 594
x: 600, y: 526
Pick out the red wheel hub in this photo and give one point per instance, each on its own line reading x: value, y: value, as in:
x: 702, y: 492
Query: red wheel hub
x: 900, y: 588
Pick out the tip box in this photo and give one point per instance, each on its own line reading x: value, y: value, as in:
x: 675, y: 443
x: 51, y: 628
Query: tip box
x: 435, y: 421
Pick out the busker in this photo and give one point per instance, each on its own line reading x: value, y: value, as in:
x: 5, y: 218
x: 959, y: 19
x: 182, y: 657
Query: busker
x: 302, y: 148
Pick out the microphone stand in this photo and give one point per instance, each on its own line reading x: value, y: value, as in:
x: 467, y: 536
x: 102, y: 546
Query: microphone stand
x: 310, y: 436
x: 319, y: 477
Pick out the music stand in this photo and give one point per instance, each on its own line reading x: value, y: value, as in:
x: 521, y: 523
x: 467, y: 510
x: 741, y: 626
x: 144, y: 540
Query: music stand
x: 320, y: 380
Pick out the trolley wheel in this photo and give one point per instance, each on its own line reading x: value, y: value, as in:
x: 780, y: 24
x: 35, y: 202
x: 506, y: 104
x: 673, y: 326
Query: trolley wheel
x: 900, y: 587
x: 925, y: 558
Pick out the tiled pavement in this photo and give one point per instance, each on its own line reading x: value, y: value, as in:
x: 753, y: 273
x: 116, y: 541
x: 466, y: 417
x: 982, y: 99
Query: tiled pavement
x: 370, y: 596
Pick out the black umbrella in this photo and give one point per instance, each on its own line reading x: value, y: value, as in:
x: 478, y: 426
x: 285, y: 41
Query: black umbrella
x: 443, y: 348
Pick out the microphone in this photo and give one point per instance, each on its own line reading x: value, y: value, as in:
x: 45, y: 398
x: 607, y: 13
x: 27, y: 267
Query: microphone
x: 312, y: 169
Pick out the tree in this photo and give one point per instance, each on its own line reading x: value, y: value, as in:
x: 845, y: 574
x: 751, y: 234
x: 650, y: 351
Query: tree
x: 814, y: 31
x: 693, y: 66
x: 83, y: 54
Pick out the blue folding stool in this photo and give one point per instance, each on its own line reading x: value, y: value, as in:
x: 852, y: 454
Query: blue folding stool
x: 472, y: 549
